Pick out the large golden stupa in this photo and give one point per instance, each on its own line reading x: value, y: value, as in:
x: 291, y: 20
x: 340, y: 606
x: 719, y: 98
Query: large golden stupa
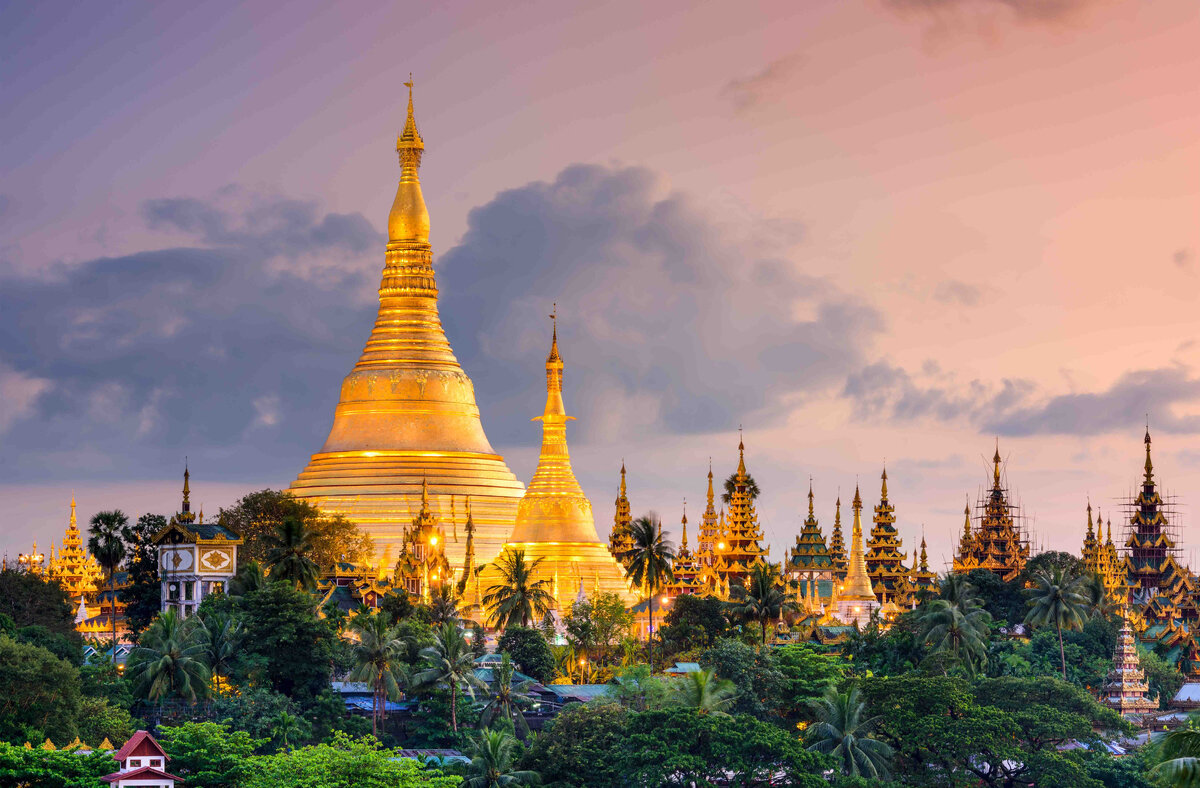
x: 554, y: 518
x: 407, y: 412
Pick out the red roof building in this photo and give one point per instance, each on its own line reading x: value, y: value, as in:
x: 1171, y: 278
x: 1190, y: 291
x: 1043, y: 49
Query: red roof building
x: 142, y: 762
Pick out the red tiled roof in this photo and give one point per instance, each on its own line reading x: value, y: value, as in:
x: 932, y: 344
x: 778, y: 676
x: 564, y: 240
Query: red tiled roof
x: 140, y: 774
x: 135, y: 747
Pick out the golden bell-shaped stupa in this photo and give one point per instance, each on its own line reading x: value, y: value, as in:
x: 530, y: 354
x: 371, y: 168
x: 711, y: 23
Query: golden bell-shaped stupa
x: 407, y: 412
x: 554, y: 519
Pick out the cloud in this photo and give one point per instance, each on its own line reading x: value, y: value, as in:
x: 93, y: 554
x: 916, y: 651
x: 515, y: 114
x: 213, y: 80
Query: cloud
x: 1016, y: 407
x: 764, y: 85
x: 1183, y: 258
x: 985, y: 18
x: 686, y: 320
x: 139, y: 359
x: 953, y: 291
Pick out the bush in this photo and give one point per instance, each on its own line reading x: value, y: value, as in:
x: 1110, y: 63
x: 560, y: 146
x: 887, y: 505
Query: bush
x: 529, y: 652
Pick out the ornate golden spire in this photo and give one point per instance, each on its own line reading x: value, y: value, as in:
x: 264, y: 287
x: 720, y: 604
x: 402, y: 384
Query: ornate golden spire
x: 187, y: 504
x: 622, y: 477
x: 883, y: 491
x: 683, y: 547
x: 409, y: 218
x: 1149, y: 465
x: 810, y: 498
x: 1091, y: 534
x: 73, y: 524
x: 996, y: 463
x: 858, y: 583
x: 710, y: 486
x: 741, y: 469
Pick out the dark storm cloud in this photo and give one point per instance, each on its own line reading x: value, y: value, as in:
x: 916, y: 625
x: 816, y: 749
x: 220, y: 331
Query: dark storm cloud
x: 883, y: 391
x: 673, y: 317
x: 763, y: 85
x: 231, y: 348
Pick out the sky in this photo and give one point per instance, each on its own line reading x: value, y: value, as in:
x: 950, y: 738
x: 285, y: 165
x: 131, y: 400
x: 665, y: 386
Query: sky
x: 867, y: 231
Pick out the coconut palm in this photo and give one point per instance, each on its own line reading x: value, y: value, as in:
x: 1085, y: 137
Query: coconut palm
x: 649, y: 566
x: 843, y: 731
x: 220, y: 638
x: 731, y: 485
x: 765, y: 597
x: 956, y: 588
x: 707, y: 693
x: 289, y: 558
x: 106, y: 544
x: 250, y: 577
x: 1180, y: 753
x: 443, y: 604
x: 379, y: 661
x: 506, y: 697
x: 169, y: 660
x: 492, y: 762
x: 956, y: 627
x: 283, y: 726
x: 1097, y: 601
x: 519, y: 597
x: 450, y: 663
x: 1057, y: 598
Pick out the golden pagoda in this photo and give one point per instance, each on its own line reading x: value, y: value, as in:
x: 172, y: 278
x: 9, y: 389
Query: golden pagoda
x: 1092, y: 553
x: 737, y: 549
x: 809, y: 558
x: 74, y: 568
x: 855, y: 599
x: 407, y: 411
x: 686, y: 570
x: 923, y: 579
x: 885, y: 561
x: 620, y: 539
x: 422, y: 563
x: 998, y: 544
x: 837, y: 545
x: 554, y: 518
x: 1126, y: 691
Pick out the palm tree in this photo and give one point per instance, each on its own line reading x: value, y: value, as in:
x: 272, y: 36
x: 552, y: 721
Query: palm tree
x: 842, y: 732
x: 704, y: 691
x: 283, y: 726
x: 378, y: 660
x: 956, y: 588
x: 1180, y: 753
x: 957, y: 627
x: 1057, y: 598
x: 289, y: 558
x: 250, y: 577
x: 731, y: 485
x: 492, y: 762
x: 519, y: 597
x: 649, y: 566
x: 449, y: 661
x: 506, y: 698
x: 220, y: 637
x: 106, y: 545
x: 765, y: 597
x: 443, y: 604
x: 1097, y: 601
x: 169, y: 660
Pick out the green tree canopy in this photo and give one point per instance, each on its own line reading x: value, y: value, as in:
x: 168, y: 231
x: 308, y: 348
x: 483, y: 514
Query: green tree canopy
x: 30, y: 600
x: 40, y: 696
x: 529, y: 651
x: 52, y: 769
x: 258, y: 516
x: 208, y: 755
x: 342, y: 763
x: 759, y: 682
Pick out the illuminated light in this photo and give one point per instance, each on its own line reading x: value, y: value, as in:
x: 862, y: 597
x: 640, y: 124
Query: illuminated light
x: 433, y: 540
x: 720, y: 545
x: 666, y: 599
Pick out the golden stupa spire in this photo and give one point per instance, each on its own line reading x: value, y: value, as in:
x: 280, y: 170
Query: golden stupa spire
x: 741, y: 469
x: 883, y: 491
x: 996, y: 464
x: 709, y: 508
x: 858, y: 583
x: 1149, y: 465
x: 187, y: 504
x: 683, y: 546
x: 811, y: 514
x: 407, y: 410
x: 622, y: 476
x: 73, y: 524
x: 1091, y: 534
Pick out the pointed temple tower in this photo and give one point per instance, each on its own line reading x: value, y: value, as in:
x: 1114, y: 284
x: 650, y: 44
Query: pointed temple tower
x: 855, y: 599
x: 885, y: 561
x: 922, y: 578
x: 686, y: 566
x: 73, y: 567
x: 1126, y: 690
x: 738, y: 550
x: 809, y: 559
x: 554, y: 518
x: 620, y: 539
x: 1151, y: 560
x: 407, y: 409
x: 998, y: 545
x: 837, y: 546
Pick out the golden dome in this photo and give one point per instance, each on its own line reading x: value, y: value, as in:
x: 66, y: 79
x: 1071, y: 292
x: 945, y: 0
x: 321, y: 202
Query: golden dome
x: 407, y: 410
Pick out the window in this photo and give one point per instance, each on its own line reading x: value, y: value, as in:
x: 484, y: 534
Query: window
x: 216, y: 588
x: 134, y: 763
x: 187, y: 590
x: 173, y: 591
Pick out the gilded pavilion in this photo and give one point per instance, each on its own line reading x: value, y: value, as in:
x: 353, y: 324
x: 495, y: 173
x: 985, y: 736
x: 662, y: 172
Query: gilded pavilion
x: 1100, y: 559
x: 923, y: 579
x: 554, y: 525
x: 688, y: 573
x: 737, y: 550
x: 998, y: 544
x: 885, y: 561
x: 837, y: 545
x: 407, y: 418
x: 1126, y: 691
x: 76, y: 570
x: 620, y: 539
x: 422, y: 563
x: 809, y: 559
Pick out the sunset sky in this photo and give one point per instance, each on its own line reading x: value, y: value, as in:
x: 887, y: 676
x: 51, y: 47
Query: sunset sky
x: 867, y: 230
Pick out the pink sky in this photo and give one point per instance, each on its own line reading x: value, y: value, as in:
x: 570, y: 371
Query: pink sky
x: 1014, y: 186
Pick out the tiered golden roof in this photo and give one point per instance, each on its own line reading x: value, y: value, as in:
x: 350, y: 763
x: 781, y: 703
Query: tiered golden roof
x: 422, y: 564
x: 737, y: 550
x: 620, y: 541
x: 923, y: 579
x: 554, y: 518
x: 1126, y: 690
x: 407, y: 410
x: 810, y: 558
x: 688, y: 575
x: 885, y: 561
x: 72, y: 566
x: 997, y: 545
x: 837, y: 545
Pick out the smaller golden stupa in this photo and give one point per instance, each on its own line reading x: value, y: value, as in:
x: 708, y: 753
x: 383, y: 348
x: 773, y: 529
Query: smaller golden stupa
x: 554, y: 518
x: 855, y: 599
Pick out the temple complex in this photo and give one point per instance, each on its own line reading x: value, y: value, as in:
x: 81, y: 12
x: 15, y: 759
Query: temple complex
x: 885, y: 561
x: 737, y: 550
x: 998, y: 544
x: 407, y: 416
x: 856, y: 602
x: 554, y: 519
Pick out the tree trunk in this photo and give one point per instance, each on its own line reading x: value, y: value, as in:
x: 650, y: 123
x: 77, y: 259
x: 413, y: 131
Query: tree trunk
x: 112, y: 610
x: 764, y: 632
x: 649, y: 626
x: 1061, y: 651
x: 454, y: 706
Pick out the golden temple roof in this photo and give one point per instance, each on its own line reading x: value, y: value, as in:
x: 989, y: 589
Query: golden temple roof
x: 858, y: 583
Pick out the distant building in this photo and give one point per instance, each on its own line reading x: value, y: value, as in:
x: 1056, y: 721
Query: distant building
x: 143, y: 764
x: 195, y: 558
